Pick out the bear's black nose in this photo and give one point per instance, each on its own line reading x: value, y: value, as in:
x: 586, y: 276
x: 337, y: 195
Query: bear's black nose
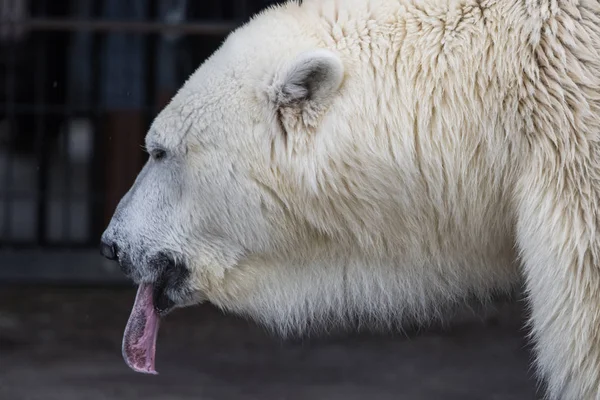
x: 108, y: 250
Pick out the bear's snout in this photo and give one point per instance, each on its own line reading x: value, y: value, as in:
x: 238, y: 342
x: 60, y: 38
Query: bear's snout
x: 112, y: 251
x: 163, y: 269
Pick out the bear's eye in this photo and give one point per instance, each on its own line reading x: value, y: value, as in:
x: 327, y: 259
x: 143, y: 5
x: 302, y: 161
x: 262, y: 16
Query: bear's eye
x: 158, y: 154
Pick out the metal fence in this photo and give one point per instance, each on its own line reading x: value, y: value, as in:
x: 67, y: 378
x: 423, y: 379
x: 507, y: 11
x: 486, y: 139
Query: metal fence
x: 79, y: 83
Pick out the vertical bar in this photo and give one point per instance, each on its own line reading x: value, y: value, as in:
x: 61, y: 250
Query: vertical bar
x: 67, y: 170
x: 10, y: 94
x: 41, y: 151
x: 53, y: 64
x: 80, y: 81
x: 167, y: 55
x: 150, y: 53
x: 97, y: 164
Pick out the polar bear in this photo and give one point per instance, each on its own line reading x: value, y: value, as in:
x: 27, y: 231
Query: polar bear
x: 338, y: 161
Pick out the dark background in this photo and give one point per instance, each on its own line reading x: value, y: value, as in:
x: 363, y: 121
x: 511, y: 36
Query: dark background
x: 80, y: 82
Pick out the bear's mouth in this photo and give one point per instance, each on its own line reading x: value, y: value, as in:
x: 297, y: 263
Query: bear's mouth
x: 163, y: 304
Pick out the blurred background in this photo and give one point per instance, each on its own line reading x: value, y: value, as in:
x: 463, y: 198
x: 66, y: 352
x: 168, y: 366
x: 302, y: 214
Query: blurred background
x: 80, y: 81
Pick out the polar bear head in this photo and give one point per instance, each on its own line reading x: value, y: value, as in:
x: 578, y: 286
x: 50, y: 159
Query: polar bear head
x: 230, y: 206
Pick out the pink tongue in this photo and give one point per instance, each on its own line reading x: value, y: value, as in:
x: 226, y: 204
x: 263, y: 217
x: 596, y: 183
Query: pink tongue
x: 139, y: 339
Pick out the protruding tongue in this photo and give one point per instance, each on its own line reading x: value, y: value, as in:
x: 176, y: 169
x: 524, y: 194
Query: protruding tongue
x: 139, y: 339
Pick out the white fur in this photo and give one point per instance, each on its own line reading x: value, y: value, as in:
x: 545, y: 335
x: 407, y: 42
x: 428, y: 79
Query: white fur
x: 452, y: 146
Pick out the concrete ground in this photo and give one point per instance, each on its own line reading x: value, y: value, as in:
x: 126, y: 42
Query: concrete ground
x: 64, y: 343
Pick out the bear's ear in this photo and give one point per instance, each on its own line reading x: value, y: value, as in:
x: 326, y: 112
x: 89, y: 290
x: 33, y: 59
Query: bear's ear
x: 303, y: 89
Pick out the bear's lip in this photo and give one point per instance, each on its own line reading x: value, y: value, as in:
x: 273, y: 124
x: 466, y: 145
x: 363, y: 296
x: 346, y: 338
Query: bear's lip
x: 163, y: 304
x: 168, y: 283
